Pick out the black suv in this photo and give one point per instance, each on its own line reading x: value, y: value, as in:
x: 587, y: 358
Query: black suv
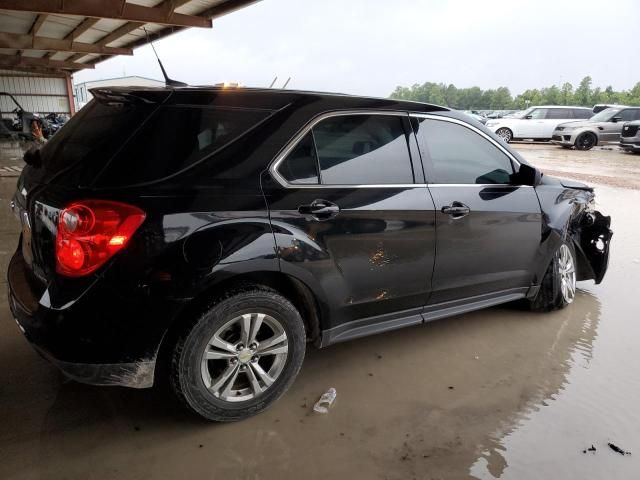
x: 206, y: 236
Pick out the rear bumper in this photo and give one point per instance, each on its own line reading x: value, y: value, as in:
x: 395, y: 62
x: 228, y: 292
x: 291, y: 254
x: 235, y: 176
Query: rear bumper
x: 102, y: 338
x: 131, y: 374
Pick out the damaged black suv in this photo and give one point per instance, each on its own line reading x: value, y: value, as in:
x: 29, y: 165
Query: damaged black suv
x: 206, y: 236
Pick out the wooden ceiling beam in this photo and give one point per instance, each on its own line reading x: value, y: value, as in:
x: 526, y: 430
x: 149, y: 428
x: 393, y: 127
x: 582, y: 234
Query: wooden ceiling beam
x: 37, y: 24
x: 85, y: 25
x: 31, y: 42
x: 26, y: 62
x: 112, y: 9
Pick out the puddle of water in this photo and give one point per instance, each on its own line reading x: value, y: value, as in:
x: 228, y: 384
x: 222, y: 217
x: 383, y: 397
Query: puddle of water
x: 597, y: 402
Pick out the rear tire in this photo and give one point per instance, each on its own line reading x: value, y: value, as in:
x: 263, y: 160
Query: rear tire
x: 586, y: 141
x: 505, y: 134
x: 558, y: 286
x: 239, y: 357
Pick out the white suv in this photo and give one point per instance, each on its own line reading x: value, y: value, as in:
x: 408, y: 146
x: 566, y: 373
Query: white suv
x: 536, y: 122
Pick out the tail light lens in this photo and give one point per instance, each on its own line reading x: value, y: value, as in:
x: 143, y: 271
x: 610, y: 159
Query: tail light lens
x: 91, y: 232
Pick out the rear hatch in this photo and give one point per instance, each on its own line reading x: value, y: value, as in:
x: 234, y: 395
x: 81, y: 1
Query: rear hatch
x: 68, y: 163
x: 114, y: 148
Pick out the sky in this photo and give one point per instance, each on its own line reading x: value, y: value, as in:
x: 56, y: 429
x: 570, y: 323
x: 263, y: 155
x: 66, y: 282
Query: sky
x: 370, y: 47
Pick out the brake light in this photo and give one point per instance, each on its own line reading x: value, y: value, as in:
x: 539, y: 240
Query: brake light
x: 90, y: 232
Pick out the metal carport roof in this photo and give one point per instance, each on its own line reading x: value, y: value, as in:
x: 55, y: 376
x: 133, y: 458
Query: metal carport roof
x: 63, y: 36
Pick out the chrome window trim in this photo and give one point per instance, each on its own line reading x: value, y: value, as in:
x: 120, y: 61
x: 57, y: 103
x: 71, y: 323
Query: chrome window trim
x: 470, y: 127
x: 483, y: 185
x: 273, y: 169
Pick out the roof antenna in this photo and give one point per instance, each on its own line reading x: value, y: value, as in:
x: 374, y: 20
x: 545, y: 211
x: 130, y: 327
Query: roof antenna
x: 286, y: 83
x: 167, y: 81
x: 274, y: 81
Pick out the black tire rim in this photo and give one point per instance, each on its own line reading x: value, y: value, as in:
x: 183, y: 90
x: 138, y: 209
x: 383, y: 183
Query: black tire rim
x: 586, y: 141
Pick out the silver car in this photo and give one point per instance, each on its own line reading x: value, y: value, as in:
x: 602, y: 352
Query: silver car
x: 630, y: 137
x: 604, y: 127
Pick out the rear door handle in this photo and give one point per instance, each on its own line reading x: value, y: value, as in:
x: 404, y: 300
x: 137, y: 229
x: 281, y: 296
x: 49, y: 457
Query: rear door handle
x: 456, y: 210
x: 320, y: 209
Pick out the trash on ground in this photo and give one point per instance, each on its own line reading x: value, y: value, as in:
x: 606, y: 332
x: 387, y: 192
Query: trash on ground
x: 617, y: 449
x: 590, y: 449
x: 326, y: 400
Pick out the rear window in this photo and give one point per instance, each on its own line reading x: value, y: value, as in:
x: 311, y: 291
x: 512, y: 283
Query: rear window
x: 93, y: 135
x: 176, y: 137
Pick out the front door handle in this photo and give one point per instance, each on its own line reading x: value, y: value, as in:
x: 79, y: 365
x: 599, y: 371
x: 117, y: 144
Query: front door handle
x: 456, y: 210
x: 320, y: 209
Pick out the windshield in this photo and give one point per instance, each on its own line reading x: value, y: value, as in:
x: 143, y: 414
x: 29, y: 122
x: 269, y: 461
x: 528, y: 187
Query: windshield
x: 605, y: 115
x: 522, y: 114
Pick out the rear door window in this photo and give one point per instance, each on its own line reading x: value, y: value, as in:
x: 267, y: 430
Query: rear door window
x: 458, y: 155
x: 363, y: 150
x: 301, y: 164
x: 176, y: 137
x: 581, y: 113
x: 558, y: 113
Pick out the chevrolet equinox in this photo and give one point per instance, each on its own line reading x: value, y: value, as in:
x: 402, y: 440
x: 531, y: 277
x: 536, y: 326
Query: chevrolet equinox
x: 206, y: 236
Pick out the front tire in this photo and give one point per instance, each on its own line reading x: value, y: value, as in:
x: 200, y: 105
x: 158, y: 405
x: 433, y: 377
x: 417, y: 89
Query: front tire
x: 586, y: 141
x: 558, y: 288
x: 239, y: 357
x: 505, y: 134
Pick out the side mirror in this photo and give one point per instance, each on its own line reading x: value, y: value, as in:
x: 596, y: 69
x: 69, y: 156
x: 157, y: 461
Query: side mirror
x: 529, y: 117
x: 616, y: 119
x: 527, y: 175
x: 32, y: 157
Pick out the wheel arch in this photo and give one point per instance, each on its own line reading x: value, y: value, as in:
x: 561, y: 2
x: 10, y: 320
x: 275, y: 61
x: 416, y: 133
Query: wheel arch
x: 296, y: 291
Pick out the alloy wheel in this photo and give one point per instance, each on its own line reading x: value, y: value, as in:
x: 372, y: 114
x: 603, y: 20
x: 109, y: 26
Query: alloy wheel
x: 244, y: 357
x: 505, y: 134
x: 586, y: 141
x: 567, y: 274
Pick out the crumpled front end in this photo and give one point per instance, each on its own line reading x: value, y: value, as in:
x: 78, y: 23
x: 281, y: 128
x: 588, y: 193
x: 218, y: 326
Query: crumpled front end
x: 592, y: 239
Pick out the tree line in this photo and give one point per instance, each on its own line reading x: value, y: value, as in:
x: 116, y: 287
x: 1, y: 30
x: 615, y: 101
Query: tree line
x: 501, y: 99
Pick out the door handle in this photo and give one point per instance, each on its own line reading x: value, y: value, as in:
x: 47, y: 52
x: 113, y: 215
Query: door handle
x: 456, y: 210
x: 320, y: 209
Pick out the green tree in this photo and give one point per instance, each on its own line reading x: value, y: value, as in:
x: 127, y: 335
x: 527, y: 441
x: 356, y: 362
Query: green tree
x: 451, y: 96
x: 551, y: 95
x: 583, y: 93
x: 566, y: 94
x: 501, y: 98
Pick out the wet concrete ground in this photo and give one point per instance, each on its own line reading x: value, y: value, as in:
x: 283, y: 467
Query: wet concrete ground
x: 500, y: 393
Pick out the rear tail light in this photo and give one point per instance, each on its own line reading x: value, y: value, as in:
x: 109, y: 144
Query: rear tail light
x: 90, y: 232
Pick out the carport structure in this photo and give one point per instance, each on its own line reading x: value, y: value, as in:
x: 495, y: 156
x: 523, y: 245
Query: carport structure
x: 43, y: 42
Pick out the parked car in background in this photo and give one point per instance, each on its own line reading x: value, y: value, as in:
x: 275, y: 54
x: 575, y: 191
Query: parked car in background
x: 537, y: 123
x: 219, y: 233
x: 500, y: 113
x: 476, y: 115
x: 630, y: 137
x: 603, y: 106
x: 603, y: 127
